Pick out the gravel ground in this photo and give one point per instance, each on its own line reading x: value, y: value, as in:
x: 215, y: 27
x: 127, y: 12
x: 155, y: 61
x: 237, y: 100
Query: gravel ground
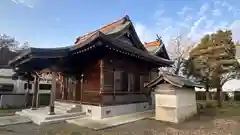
x: 212, y: 121
x: 197, y: 126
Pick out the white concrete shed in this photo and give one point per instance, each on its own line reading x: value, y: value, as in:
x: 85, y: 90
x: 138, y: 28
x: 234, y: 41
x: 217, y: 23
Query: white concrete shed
x: 175, y: 98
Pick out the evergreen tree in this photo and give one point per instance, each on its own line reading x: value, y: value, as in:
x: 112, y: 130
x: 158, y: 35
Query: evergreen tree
x: 212, y: 60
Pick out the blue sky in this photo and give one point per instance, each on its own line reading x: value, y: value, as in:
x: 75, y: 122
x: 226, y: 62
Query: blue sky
x: 53, y: 23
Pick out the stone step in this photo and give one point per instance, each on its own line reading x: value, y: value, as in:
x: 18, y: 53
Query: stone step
x: 41, y: 116
x: 77, y: 108
x: 57, y: 103
x: 63, y: 107
x: 67, y: 115
x: 72, y: 110
x: 52, y: 121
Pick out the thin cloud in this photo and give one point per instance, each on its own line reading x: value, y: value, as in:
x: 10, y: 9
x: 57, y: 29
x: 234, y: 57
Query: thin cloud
x: 184, y: 10
x: 195, y: 26
x: 27, y: 3
x: 203, y: 9
x: 235, y: 27
x: 144, y: 33
x: 216, y: 12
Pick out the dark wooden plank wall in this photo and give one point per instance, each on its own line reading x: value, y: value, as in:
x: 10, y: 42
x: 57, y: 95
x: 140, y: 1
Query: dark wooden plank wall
x: 91, y: 84
x: 124, y: 95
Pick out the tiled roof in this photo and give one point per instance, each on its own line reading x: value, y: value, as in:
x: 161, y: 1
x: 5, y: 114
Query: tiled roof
x: 174, y: 80
x: 108, y: 29
x: 157, y: 48
x: 153, y: 43
x: 152, y: 46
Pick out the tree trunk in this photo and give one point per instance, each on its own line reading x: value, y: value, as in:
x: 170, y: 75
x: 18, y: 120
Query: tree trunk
x: 207, y: 93
x: 178, y: 66
x: 207, y: 90
x: 219, y: 96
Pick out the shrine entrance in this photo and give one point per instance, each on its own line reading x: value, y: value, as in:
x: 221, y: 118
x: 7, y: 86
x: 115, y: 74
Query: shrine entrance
x: 68, y: 89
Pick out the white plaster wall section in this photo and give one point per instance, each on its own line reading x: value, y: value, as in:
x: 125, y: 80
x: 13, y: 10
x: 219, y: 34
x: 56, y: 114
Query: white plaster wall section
x: 165, y: 107
x: 165, y: 100
x: 94, y: 111
x: 111, y: 111
x: 186, y: 96
x: 98, y: 112
x: 165, y: 96
x: 12, y: 101
x: 9, y: 81
x: 166, y: 114
x: 186, y: 103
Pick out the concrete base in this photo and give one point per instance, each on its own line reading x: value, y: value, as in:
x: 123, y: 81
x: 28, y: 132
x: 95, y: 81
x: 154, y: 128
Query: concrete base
x: 111, y: 122
x: 66, y: 111
x: 41, y: 116
x: 98, y: 112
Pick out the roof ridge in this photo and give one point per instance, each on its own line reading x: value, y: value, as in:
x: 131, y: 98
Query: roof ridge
x: 126, y: 17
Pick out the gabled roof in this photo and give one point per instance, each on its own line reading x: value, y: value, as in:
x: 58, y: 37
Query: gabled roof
x: 157, y: 48
x: 113, y: 42
x: 107, y: 36
x: 113, y: 28
x: 175, y: 80
x: 41, y: 53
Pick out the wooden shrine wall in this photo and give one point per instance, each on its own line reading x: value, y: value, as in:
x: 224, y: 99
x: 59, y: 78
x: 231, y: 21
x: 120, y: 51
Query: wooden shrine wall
x: 128, y: 70
x: 91, y: 84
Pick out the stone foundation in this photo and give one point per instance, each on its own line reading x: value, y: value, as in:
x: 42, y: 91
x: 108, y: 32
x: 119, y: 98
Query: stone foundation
x: 98, y: 112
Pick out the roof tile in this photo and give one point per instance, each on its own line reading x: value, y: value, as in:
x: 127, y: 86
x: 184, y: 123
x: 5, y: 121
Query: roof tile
x: 105, y: 29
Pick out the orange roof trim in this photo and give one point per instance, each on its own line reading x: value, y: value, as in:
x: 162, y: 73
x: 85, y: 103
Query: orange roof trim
x: 103, y: 29
x: 150, y: 44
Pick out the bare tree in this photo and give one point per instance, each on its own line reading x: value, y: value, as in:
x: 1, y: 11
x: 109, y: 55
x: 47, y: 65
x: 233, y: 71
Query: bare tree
x: 10, y: 48
x: 179, y: 48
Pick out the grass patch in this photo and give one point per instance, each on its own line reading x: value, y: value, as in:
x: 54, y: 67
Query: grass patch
x: 8, y: 110
x: 228, y: 109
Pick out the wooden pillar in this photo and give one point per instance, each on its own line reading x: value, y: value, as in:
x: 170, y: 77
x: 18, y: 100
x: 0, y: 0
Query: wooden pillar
x: 35, y: 91
x: 74, y: 82
x: 27, y: 93
x: 37, y: 95
x: 81, y: 82
x: 53, y: 91
x: 114, y: 85
x: 63, y: 88
x: 101, y: 76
